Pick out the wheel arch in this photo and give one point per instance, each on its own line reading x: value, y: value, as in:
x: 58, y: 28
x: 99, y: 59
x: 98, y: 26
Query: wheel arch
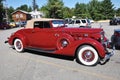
x: 95, y: 44
x: 83, y: 45
x: 22, y: 38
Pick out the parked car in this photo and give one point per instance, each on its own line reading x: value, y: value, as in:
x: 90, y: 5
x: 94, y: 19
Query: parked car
x: 87, y: 45
x: 78, y: 23
x: 114, y: 21
x: 4, y: 25
x: 21, y: 24
x: 115, y: 39
x: 12, y: 24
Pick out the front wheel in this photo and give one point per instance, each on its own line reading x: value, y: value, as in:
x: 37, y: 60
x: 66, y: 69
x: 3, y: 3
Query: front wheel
x: 18, y: 45
x: 87, y: 55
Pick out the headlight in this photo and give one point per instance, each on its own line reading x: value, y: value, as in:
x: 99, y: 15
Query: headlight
x: 102, y: 35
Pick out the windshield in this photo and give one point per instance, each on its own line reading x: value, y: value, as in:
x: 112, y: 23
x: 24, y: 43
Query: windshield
x: 58, y: 23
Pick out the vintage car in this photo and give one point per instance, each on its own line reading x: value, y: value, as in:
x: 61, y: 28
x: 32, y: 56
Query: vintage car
x: 115, y: 39
x: 86, y: 45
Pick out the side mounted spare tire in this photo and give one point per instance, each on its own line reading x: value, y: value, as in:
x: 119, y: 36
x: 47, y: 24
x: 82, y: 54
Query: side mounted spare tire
x: 87, y: 55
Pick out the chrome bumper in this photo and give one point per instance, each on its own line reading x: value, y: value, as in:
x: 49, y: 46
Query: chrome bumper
x: 108, y: 56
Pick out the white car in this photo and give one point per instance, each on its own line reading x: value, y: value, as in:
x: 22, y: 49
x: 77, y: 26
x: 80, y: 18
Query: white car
x: 78, y: 23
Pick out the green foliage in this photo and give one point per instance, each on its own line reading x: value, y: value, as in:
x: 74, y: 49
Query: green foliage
x: 67, y: 12
x: 107, y: 10
x: 118, y: 12
x: 2, y: 11
x: 25, y: 8
x: 81, y: 10
x: 54, y: 9
x: 10, y: 10
x: 95, y: 9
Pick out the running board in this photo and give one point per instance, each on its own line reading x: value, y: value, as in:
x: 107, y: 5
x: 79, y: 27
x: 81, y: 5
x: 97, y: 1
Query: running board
x: 40, y: 50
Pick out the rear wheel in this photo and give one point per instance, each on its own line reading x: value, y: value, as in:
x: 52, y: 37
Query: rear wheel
x: 87, y: 55
x: 18, y: 45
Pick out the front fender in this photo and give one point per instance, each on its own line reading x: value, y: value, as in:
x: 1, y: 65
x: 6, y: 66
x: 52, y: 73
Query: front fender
x: 71, y: 49
x: 94, y: 43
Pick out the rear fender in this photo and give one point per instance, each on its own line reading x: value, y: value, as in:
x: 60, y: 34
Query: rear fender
x: 22, y: 38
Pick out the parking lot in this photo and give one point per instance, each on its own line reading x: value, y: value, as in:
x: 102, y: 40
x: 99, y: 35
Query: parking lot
x: 32, y: 65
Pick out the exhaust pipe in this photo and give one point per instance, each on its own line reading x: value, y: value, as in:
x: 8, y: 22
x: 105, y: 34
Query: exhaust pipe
x: 6, y: 42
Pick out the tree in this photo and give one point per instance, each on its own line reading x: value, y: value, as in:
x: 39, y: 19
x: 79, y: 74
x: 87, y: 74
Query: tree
x: 29, y: 9
x: 81, y: 10
x: 118, y: 12
x: 108, y: 9
x: 2, y: 11
x: 67, y: 12
x: 23, y: 7
x: 54, y: 9
x: 94, y: 8
x: 10, y: 10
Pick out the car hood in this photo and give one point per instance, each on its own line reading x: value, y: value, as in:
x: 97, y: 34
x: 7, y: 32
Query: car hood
x: 80, y: 30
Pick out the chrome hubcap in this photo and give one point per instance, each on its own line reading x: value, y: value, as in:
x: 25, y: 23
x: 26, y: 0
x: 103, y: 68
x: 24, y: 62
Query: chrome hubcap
x: 18, y: 45
x: 88, y: 56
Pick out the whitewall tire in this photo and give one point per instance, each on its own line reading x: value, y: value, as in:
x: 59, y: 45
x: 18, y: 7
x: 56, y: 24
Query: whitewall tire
x: 18, y: 45
x: 87, y: 55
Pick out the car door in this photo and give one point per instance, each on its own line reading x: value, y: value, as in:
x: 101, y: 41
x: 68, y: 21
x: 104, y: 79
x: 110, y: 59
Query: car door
x: 42, y: 36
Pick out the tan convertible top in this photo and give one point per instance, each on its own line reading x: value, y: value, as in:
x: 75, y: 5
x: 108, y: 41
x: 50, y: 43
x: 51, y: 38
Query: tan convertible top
x: 30, y: 23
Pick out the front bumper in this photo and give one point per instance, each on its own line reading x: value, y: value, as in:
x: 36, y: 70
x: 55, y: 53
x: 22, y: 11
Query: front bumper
x: 108, y: 56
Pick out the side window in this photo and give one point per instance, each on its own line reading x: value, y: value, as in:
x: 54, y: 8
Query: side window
x: 77, y: 21
x: 38, y: 24
x: 72, y: 22
x: 83, y: 21
x: 41, y: 24
x: 46, y: 25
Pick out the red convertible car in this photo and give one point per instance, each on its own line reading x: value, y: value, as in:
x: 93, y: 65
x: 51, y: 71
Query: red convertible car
x: 87, y: 45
